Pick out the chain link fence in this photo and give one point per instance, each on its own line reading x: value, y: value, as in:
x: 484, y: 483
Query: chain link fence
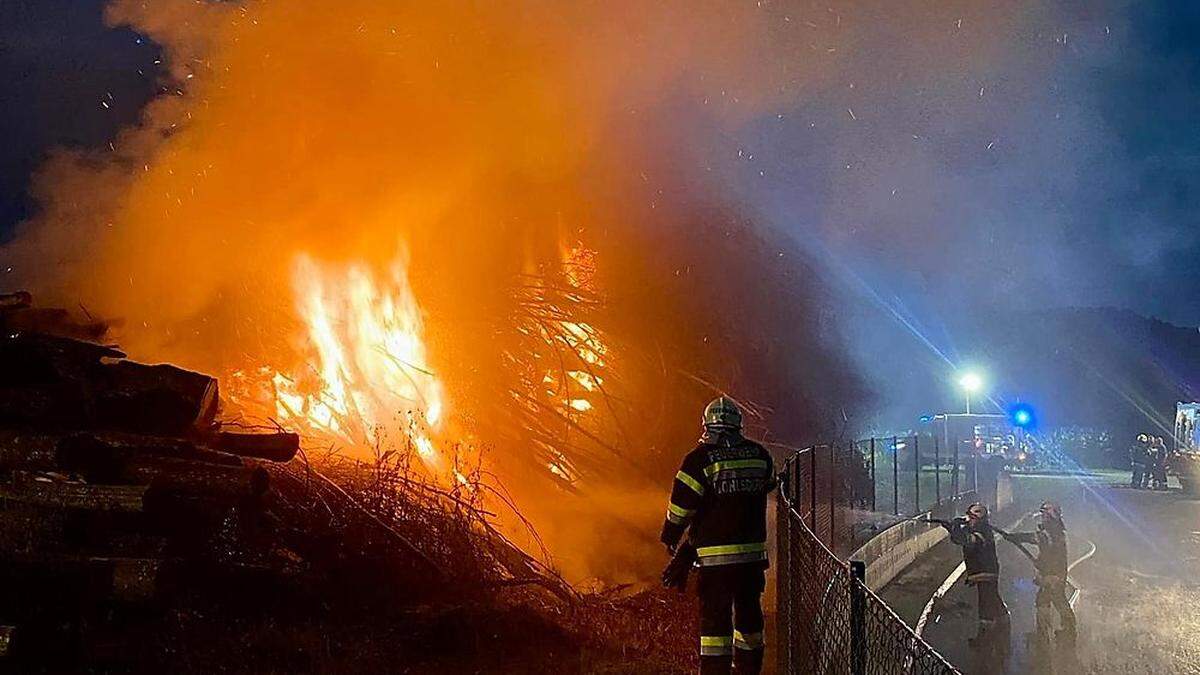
x: 829, y: 621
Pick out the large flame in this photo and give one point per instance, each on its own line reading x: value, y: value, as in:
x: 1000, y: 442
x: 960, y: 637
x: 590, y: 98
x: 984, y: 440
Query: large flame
x: 367, y: 366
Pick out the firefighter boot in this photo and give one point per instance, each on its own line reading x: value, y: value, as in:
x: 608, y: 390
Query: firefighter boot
x: 748, y: 652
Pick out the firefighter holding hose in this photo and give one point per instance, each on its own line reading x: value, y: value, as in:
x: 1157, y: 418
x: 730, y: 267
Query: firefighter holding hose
x: 1051, y: 565
x: 974, y: 533
x: 719, y: 497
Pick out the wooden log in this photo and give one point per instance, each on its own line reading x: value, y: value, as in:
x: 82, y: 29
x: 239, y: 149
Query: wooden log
x: 28, y: 450
x: 49, y: 530
x: 98, y: 576
x: 227, y: 484
x: 17, y: 300
x: 60, y: 406
x: 26, y: 528
x: 160, y: 399
x: 276, y: 447
x: 76, y: 448
x: 134, y: 579
x: 50, y: 321
x: 38, y: 491
x: 44, y: 380
x: 102, y: 457
x: 42, y: 359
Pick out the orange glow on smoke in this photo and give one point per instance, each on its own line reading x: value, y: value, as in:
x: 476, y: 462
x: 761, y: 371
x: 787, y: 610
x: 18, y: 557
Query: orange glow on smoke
x: 248, y: 226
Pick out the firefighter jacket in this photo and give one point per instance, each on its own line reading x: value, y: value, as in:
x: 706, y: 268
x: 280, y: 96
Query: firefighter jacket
x: 1051, y: 541
x: 979, y: 549
x: 719, y: 496
x: 1139, y: 454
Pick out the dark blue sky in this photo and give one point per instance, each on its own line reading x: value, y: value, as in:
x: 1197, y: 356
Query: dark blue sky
x: 1070, y: 179
x: 59, y: 66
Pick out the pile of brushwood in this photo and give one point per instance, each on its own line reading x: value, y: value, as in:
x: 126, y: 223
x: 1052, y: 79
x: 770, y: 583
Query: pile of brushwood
x: 139, y: 533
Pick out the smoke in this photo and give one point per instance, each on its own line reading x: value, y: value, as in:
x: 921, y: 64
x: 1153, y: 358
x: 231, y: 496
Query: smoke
x: 477, y: 141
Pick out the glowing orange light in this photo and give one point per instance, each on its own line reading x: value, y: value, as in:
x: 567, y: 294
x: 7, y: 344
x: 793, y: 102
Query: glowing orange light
x: 368, y: 360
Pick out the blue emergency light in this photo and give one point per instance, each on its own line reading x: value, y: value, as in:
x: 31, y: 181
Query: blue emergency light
x: 1022, y: 416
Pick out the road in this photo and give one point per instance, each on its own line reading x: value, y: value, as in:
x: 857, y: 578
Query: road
x: 1137, y: 569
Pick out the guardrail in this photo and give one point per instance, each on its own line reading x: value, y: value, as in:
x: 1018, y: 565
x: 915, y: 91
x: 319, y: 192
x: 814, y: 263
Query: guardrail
x: 829, y: 622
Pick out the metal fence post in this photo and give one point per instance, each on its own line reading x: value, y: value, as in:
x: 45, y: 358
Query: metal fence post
x: 827, y: 619
x: 954, y: 475
x: 858, y: 618
x: 937, y: 470
x: 812, y: 489
x: 784, y: 595
x: 917, y: 473
x: 895, y: 479
x: 975, y: 470
x: 873, y: 481
x: 832, y: 493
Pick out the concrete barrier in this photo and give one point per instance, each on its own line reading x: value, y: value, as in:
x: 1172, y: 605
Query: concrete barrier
x: 887, y: 554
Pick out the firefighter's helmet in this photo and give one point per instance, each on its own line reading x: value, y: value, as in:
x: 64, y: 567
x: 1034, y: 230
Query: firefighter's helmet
x: 1143, y: 438
x: 723, y: 413
x: 977, y: 511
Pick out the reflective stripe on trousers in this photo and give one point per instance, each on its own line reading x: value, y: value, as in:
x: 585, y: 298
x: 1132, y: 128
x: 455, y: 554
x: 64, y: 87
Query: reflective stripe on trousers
x: 730, y: 554
x: 716, y: 645
x: 731, y: 613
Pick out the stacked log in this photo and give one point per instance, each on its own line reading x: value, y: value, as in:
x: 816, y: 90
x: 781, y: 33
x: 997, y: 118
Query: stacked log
x: 114, y: 475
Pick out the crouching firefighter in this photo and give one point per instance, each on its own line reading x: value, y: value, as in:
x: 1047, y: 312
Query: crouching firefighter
x: 974, y: 533
x: 1051, y: 566
x: 719, y: 496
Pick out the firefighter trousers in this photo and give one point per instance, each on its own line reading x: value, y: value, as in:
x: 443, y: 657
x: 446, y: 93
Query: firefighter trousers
x: 991, y: 606
x: 1138, y: 478
x: 731, y: 618
x: 1052, y: 599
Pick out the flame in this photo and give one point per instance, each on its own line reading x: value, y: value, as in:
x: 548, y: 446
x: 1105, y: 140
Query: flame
x: 367, y: 369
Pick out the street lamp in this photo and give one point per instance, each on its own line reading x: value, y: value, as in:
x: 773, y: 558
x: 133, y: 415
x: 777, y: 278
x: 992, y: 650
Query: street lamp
x: 971, y: 382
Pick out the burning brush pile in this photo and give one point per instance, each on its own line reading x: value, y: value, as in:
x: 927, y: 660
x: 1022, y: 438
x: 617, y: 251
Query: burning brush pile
x: 136, y: 528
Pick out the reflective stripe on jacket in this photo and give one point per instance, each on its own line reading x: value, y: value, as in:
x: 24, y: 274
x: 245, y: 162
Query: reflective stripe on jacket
x: 719, y: 495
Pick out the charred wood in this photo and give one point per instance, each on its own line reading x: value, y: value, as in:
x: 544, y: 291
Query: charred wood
x: 277, y: 447
x: 161, y: 399
x: 101, y: 457
x: 44, y: 321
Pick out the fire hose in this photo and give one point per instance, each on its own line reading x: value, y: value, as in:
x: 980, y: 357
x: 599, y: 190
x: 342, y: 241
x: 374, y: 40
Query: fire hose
x: 1007, y: 537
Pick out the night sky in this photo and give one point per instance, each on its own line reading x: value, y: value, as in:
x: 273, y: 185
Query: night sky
x: 1062, y: 171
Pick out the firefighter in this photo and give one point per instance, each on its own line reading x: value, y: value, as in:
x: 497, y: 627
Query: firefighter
x: 1139, y: 457
x: 974, y: 533
x: 719, y: 496
x: 1051, y: 566
x: 1161, y: 456
x: 1152, y: 459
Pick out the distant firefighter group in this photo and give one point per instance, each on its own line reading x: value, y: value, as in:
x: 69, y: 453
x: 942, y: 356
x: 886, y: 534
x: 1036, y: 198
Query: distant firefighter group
x: 1148, y: 458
